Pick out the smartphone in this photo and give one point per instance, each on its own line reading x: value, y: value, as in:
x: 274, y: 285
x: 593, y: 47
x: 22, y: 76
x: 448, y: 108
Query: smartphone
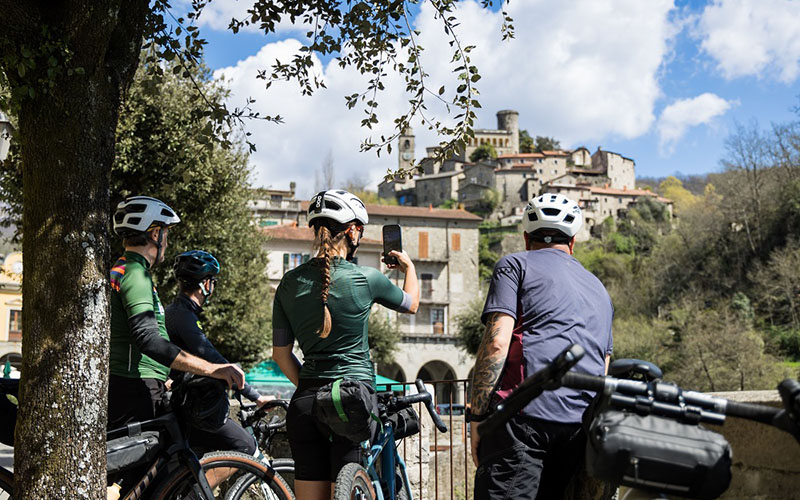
x: 392, y: 240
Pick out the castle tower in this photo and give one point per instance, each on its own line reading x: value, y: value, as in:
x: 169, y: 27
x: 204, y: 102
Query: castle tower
x: 405, y: 149
x: 509, y: 120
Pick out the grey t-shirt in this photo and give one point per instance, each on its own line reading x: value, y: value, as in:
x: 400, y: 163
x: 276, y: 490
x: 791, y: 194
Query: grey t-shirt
x: 555, y: 302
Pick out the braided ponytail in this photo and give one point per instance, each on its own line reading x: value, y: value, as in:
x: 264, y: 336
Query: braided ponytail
x: 326, y: 244
x: 326, y: 253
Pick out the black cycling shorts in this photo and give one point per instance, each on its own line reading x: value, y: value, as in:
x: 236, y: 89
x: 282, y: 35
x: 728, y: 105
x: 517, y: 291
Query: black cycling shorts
x: 528, y: 459
x: 318, y: 456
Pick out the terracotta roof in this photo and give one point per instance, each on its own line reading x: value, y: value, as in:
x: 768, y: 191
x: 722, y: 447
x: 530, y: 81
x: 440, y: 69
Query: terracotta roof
x: 420, y: 212
x: 294, y: 233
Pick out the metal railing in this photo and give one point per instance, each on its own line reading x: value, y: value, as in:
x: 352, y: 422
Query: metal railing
x: 440, y: 464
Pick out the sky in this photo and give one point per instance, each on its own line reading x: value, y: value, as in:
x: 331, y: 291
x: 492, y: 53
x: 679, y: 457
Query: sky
x: 661, y: 81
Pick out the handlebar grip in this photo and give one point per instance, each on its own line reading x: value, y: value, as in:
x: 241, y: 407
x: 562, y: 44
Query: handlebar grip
x: 758, y: 413
x: 584, y: 381
x: 437, y: 421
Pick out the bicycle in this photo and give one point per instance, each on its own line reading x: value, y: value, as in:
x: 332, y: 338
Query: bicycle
x: 265, y: 432
x: 647, y: 397
x: 382, y: 474
x: 159, y: 443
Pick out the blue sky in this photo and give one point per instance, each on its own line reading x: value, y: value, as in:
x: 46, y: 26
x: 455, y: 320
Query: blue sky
x: 660, y: 81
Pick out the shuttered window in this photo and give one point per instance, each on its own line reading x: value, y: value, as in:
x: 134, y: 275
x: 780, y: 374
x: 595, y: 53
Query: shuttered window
x: 456, y: 242
x: 423, y: 245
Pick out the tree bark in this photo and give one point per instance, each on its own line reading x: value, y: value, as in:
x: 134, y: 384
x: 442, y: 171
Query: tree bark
x: 66, y: 137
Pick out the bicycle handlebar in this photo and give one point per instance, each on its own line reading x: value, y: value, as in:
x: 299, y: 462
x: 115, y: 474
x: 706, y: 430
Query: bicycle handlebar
x: 251, y: 418
x: 658, y: 398
x: 422, y: 396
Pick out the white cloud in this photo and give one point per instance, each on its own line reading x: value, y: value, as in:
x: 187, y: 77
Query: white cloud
x: 579, y: 71
x: 217, y: 15
x: 678, y: 117
x: 753, y: 38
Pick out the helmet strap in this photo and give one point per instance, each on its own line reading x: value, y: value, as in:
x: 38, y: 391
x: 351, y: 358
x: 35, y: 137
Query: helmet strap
x: 159, y: 245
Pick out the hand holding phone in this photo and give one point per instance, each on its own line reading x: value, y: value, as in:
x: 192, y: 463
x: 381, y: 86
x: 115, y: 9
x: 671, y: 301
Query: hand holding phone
x: 392, y: 240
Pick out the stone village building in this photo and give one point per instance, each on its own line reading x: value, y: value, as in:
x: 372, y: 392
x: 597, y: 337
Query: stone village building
x: 444, y: 247
x: 514, y: 178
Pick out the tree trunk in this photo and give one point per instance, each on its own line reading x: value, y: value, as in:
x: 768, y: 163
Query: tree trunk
x: 66, y: 136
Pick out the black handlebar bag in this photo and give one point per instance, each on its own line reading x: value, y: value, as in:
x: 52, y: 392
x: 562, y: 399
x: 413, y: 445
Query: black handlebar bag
x: 201, y: 401
x: 658, y: 454
x: 348, y: 408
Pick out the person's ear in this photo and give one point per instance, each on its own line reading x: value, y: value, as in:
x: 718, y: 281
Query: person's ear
x: 527, y: 238
x: 572, y: 245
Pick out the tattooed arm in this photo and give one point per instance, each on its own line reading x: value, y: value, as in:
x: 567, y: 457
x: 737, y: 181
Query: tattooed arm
x: 488, y: 364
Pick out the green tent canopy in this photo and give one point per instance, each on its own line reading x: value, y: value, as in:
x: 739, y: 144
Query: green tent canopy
x: 268, y: 373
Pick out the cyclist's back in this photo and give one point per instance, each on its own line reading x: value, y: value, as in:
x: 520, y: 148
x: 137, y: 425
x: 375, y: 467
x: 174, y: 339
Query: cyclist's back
x: 558, y: 303
x: 345, y: 352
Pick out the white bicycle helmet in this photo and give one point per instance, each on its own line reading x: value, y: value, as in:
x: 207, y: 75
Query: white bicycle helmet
x: 552, y: 211
x: 338, y: 205
x: 138, y: 214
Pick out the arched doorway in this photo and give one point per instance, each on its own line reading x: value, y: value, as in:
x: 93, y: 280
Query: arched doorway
x: 393, y: 371
x: 437, y: 371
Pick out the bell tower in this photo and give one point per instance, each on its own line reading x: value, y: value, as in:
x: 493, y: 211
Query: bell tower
x: 405, y: 149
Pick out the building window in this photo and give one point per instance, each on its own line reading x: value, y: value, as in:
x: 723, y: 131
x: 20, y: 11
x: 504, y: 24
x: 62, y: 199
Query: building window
x: 437, y: 320
x: 456, y: 243
x: 15, y: 325
x: 426, y: 291
x: 423, y: 245
x: 292, y: 260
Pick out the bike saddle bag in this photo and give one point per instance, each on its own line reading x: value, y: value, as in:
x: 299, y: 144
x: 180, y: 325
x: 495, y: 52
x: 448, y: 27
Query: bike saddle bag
x: 658, y: 454
x: 404, y: 423
x: 132, y: 450
x: 348, y: 408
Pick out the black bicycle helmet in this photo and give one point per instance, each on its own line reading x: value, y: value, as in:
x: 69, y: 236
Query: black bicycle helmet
x: 194, y: 266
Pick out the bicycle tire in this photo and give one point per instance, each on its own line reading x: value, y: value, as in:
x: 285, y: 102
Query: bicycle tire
x: 6, y: 484
x: 353, y: 483
x: 180, y: 485
x: 284, y: 467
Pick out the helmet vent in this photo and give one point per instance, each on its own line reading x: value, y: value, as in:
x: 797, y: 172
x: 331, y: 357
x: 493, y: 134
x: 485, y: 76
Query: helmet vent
x: 136, y: 208
x: 134, y: 220
x: 569, y: 218
x: 551, y: 211
x: 533, y: 217
x: 341, y: 192
x: 332, y: 205
x: 167, y: 213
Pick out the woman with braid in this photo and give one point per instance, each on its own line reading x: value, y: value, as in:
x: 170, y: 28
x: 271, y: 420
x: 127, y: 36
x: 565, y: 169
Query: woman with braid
x: 324, y: 304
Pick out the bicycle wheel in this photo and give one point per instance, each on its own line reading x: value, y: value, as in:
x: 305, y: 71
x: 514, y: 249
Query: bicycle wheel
x: 284, y: 467
x: 6, y: 484
x: 238, y: 476
x: 353, y: 483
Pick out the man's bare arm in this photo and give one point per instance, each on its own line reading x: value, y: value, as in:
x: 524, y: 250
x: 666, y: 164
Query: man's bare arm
x: 490, y: 359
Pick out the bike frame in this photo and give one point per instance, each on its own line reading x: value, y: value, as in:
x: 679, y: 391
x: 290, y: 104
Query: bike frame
x: 178, y: 447
x: 387, y: 463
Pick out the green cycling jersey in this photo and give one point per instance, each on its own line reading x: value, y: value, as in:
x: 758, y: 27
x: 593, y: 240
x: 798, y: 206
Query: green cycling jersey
x: 133, y: 294
x: 297, y: 314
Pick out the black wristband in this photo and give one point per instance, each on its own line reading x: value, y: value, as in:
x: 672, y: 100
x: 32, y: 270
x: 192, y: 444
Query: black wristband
x: 476, y: 417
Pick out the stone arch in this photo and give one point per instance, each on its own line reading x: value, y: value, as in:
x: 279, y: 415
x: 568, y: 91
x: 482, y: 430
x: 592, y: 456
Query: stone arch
x: 393, y: 371
x: 436, y: 371
x: 14, y: 359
